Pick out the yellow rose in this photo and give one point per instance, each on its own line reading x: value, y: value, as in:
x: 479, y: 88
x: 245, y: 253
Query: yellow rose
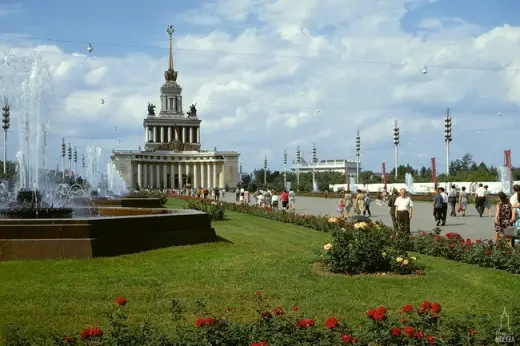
x: 414, y: 258
x: 405, y: 262
x: 399, y: 259
x: 384, y: 254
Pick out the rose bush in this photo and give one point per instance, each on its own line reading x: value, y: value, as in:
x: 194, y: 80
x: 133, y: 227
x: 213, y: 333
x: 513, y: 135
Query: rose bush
x: 423, y: 324
x: 216, y: 210
x: 484, y: 253
x: 149, y: 194
x: 366, y: 247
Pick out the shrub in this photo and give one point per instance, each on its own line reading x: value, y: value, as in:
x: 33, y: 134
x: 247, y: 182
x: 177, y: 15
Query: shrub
x: 215, y: 210
x: 366, y: 247
x: 423, y: 324
x: 484, y: 253
x: 163, y: 198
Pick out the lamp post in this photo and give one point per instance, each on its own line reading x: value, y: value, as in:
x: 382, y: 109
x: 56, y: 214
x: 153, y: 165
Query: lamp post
x: 314, y: 161
x: 298, y: 162
x: 447, y: 139
x: 240, y: 174
x: 284, y: 169
x: 83, y: 162
x: 396, y: 148
x: 5, y: 126
x: 75, y: 160
x: 69, y: 156
x: 265, y: 171
x: 358, y: 154
x: 63, y: 152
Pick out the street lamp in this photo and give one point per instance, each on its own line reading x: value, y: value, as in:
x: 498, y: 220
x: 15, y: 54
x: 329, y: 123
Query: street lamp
x: 63, y: 152
x: 75, y: 160
x: 69, y: 152
x: 5, y: 126
x: 396, y: 147
x: 298, y: 162
x: 284, y: 169
x: 358, y: 154
x: 447, y: 138
x: 240, y: 173
x: 83, y: 162
x: 265, y: 171
x: 314, y: 161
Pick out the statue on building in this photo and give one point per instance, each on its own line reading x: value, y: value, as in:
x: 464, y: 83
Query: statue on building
x: 151, y: 109
x: 193, y: 111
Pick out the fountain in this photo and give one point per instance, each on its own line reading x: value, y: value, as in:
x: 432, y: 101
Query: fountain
x: 49, y: 220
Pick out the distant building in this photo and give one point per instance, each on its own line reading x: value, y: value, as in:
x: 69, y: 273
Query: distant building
x: 325, y: 166
x: 172, y: 155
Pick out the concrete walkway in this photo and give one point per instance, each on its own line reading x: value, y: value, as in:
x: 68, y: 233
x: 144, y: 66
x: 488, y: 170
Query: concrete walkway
x: 471, y: 226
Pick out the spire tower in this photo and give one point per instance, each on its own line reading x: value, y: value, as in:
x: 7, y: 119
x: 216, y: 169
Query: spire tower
x: 171, y: 74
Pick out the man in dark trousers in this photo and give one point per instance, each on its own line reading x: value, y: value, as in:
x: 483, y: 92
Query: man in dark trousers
x: 403, y: 211
x: 444, y: 205
x: 391, y: 204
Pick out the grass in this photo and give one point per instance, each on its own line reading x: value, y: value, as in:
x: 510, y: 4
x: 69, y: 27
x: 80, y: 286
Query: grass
x: 260, y: 255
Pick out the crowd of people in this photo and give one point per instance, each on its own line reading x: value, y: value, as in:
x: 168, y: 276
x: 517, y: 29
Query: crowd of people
x: 285, y: 200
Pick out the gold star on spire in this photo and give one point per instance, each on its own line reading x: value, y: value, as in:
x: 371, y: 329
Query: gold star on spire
x: 171, y: 74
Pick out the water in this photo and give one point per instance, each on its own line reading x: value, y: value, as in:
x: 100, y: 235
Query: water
x: 116, y: 184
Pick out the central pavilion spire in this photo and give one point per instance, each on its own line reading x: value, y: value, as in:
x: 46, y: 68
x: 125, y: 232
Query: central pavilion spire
x: 171, y: 74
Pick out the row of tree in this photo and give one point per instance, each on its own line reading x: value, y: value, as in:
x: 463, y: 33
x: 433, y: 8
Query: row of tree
x: 463, y: 169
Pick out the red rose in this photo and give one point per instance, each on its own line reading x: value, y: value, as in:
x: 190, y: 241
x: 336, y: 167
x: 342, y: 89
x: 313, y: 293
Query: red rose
x: 208, y: 321
x: 199, y: 322
x: 452, y: 246
x: 67, y: 339
x: 408, y: 330
x: 395, y: 331
x: 419, y: 335
x: 258, y: 293
x: 294, y: 308
x: 473, y: 332
x: 266, y: 315
x: 436, y: 308
x: 403, y: 321
x: 278, y: 311
x: 407, y: 308
x: 120, y: 301
x: 426, y: 305
x: 261, y: 343
x: 305, y: 323
x: 478, y: 241
x: 331, y: 322
x: 90, y: 332
x: 431, y: 340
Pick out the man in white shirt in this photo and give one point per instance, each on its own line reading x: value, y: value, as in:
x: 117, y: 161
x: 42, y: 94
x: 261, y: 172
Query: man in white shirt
x: 403, y: 211
x: 480, y: 199
x: 452, y: 200
x: 514, y: 198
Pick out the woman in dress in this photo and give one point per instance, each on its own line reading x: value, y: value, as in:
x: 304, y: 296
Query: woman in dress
x: 348, y: 204
x: 360, y: 201
x: 463, y: 200
x: 292, y: 200
x: 503, y: 215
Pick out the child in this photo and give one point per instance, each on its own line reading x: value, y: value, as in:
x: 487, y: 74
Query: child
x: 341, y: 207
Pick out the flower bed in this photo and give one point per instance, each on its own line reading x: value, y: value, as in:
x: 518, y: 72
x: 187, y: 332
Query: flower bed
x: 366, y: 248
x: 424, y: 324
x: 484, y: 253
x: 215, y: 210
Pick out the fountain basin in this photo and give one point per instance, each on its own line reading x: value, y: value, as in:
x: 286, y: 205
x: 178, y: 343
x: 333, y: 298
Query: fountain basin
x: 36, y: 213
x: 117, y: 231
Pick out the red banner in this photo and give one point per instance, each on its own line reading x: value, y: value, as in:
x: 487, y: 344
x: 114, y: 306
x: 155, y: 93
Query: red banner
x: 507, y: 158
x: 434, y: 171
x: 383, y: 177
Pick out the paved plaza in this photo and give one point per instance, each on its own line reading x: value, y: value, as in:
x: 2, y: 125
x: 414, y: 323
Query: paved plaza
x: 471, y: 226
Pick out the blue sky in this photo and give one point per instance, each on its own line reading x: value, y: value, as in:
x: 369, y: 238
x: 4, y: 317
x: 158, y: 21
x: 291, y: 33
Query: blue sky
x: 234, y: 89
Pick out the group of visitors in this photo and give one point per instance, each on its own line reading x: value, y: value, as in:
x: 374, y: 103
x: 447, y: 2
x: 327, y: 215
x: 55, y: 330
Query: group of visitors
x: 268, y: 199
x: 351, y: 204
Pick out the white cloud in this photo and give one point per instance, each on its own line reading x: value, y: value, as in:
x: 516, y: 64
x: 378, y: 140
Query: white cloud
x: 299, y: 56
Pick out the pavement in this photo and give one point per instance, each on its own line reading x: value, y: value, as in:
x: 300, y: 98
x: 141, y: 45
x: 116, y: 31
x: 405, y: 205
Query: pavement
x: 470, y: 226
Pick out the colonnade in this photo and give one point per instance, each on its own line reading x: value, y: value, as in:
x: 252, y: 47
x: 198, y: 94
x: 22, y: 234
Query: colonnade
x: 165, y: 134
x: 207, y: 174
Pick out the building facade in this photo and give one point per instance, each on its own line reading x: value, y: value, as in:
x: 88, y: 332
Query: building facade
x: 172, y: 157
x: 339, y: 166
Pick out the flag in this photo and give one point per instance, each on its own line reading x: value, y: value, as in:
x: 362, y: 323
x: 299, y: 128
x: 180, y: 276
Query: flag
x: 383, y: 177
x: 434, y: 171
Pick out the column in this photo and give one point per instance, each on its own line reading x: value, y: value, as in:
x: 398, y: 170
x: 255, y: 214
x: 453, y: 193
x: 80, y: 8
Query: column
x: 184, y: 138
x: 139, y: 172
x: 165, y: 176
x: 157, y: 176
x: 188, y: 172
x: 222, y: 182
x: 195, y: 175
x: 145, y: 134
x: 198, y: 134
x: 209, y: 175
x: 191, y: 134
x: 180, y: 104
x: 169, y: 134
x: 177, y: 134
x: 215, y: 174
x: 161, y: 131
x: 202, y: 174
x: 172, y: 175
x: 145, y: 176
x: 150, y: 176
x: 154, y: 129
x: 179, y: 171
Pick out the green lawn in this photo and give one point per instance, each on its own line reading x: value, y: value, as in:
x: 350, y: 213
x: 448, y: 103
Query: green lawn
x: 261, y: 254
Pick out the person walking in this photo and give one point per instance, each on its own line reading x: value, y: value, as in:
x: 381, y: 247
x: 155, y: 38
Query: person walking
x: 503, y: 215
x: 463, y: 200
x: 480, y: 199
x: 437, y: 207
x: 391, y: 204
x: 348, y: 204
x: 487, y: 202
x: 367, y: 205
x: 403, y: 211
x: 444, y: 206
x: 452, y: 200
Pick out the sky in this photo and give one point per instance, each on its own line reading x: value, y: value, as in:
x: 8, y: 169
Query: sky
x: 271, y: 75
